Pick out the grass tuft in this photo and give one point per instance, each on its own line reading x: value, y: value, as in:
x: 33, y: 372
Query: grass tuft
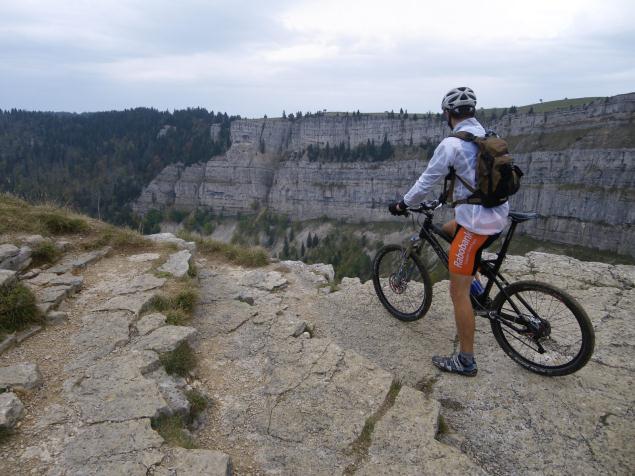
x: 250, y: 257
x: 58, y: 223
x: 178, y: 307
x: 198, y: 402
x: 177, y: 317
x: 180, y: 361
x: 192, y: 272
x: 18, y: 308
x: 44, y: 252
x: 172, y: 429
x: 443, y: 428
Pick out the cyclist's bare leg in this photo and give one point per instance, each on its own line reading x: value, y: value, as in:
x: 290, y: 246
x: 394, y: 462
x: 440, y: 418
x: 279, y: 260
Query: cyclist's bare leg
x: 450, y: 227
x: 463, y: 311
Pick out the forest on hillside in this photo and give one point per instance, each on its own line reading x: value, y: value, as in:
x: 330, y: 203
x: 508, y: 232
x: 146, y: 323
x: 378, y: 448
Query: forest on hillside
x: 99, y: 162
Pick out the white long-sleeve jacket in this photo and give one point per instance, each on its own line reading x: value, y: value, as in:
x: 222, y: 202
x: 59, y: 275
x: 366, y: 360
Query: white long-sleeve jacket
x: 462, y: 156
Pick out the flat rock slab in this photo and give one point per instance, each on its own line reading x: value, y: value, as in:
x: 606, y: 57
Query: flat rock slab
x: 267, y: 281
x: 7, y: 278
x: 169, y: 238
x: 100, y: 334
x: 143, y: 282
x: 26, y: 333
x: 318, y: 270
x: 20, y: 377
x: 115, y: 389
x: 7, y: 342
x: 19, y: 261
x: 178, y: 264
x: 80, y: 261
x: 313, y: 406
x: 74, y: 283
x: 165, y: 339
x: 125, y: 448
x: 406, y: 436
x: 11, y: 410
x: 148, y: 323
x: 199, y: 462
x: 172, y: 390
x: 53, y: 295
x: 142, y: 258
x: 8, y: 251
x: 132, y: 302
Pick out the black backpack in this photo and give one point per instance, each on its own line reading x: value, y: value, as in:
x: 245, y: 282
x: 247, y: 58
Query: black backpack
x: 497, y: 178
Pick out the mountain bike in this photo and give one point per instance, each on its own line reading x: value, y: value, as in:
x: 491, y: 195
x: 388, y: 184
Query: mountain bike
x: 539, y: 326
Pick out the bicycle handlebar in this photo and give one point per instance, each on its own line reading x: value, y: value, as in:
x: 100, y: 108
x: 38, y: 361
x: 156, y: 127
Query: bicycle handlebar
x: 425, y: 206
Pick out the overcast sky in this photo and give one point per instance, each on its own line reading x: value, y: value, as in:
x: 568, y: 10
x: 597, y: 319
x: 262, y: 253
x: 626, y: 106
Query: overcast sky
x: 260, y: 57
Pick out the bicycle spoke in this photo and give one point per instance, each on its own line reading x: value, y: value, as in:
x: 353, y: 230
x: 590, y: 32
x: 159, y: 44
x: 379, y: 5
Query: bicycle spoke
x: 547, y: 335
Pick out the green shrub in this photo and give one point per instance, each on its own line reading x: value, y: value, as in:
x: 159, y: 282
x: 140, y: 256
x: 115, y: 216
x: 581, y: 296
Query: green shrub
x: 18, y: 308
x: 172, y: 429
x: 180, y: 361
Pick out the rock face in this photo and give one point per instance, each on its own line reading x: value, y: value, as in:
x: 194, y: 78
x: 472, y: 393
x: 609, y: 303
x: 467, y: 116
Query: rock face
x: 579, y: 169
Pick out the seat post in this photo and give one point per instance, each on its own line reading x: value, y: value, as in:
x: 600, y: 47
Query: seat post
x: 503, y: 252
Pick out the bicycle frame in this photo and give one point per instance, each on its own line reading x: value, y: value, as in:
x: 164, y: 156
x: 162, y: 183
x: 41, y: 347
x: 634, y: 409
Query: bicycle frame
x: 488, y: 267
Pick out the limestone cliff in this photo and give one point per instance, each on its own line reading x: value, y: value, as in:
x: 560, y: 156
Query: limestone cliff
x: 578, y: 163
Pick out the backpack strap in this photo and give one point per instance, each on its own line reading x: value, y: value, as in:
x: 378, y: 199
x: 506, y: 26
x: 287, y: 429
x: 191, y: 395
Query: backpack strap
x: 448, y: 187
x: 463, y: 135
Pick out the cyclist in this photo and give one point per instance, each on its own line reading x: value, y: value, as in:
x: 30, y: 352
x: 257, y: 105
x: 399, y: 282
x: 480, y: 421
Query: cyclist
x: 473, y: 228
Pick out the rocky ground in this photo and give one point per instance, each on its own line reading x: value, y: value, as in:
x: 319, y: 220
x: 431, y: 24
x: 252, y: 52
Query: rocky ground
x: 307, y: 379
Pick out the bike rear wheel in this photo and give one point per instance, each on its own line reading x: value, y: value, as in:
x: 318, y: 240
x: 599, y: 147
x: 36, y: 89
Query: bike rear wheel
x: 551, y: 334
x: 402, y: 283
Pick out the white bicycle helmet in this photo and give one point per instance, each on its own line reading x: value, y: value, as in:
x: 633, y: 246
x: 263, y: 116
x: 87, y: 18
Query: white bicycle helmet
x: 459, y: 97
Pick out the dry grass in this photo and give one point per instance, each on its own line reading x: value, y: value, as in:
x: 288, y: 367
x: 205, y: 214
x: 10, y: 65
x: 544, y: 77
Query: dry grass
x: 20, y: 217
x: 250, y: 257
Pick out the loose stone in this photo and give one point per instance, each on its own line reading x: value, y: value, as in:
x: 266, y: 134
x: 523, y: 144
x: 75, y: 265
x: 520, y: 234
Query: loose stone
x: 20, y: 377
x: 11, y: 410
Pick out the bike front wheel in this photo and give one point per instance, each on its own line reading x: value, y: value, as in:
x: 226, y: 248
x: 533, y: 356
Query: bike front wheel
x: 402, y: 283
x: 542, y: 328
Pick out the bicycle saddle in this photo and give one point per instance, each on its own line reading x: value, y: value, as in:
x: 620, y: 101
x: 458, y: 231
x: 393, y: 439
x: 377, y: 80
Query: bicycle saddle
x: 519, y: 217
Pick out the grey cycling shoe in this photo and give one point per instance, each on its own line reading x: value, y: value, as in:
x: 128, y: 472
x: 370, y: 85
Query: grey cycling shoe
x: 454, y: 365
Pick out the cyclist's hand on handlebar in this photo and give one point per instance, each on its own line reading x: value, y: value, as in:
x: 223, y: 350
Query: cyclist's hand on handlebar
x: 430, y: 205
x: 398, y: 208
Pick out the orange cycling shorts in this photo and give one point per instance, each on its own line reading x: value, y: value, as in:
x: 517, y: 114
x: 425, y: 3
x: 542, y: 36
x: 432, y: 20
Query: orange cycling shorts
x: 465, y: 251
